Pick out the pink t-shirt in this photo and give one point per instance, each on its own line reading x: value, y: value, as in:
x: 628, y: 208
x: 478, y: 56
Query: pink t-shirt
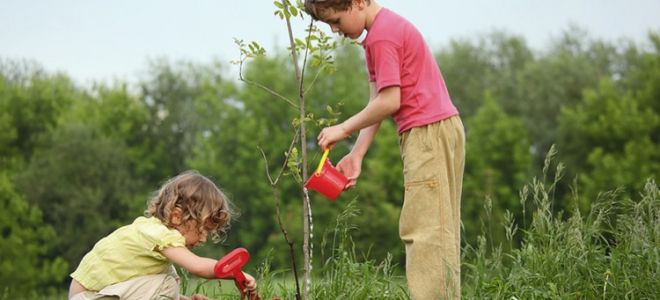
x: 397, y: 55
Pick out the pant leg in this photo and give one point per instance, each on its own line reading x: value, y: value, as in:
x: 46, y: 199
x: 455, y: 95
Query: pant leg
x: 153, y: 287
x: 433, y: 162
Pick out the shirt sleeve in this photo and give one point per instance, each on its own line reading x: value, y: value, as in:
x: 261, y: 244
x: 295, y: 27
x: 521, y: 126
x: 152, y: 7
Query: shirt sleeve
x: 385, y: 59
x: 160, y: 237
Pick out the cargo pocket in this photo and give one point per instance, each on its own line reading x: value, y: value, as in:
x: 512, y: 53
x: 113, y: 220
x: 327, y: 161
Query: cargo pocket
x: 419, y: 208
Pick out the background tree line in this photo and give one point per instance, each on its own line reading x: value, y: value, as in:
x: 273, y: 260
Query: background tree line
x: 78, y: 162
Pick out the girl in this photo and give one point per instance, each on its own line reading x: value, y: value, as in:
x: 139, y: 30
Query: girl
x: 135, y: 261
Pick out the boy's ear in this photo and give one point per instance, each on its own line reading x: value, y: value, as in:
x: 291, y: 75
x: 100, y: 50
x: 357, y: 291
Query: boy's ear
x: 362, y: 3
x: 176, y: 216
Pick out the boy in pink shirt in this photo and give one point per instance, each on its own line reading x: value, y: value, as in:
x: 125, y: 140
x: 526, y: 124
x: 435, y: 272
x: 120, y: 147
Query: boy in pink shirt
x: 405, y: 83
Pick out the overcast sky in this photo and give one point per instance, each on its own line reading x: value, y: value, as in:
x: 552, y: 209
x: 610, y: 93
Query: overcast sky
x: 113, y: 39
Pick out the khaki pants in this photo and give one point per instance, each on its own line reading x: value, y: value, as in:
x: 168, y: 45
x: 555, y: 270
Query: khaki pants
x: 430, y: 222
x: 152, y: 287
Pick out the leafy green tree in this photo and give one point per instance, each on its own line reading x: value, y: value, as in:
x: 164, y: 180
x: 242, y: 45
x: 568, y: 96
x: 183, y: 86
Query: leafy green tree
x: 497, y: 164
x: 533, y: 86
x: 169, y: 94
x: 236, y: 128
x: 116, y: 113
x: 492, y: 62
x: 556, y: 80
x: 643, y: 77
x: 226, y: 148
x: 82, y: 181
x: 25, y: 242
x: 31, y: 102
x: 611, y: 136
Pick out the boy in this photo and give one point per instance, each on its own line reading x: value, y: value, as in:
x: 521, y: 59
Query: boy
x: 405, y: 82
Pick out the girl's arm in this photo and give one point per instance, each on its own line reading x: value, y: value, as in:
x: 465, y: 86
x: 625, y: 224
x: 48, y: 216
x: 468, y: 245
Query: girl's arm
x: 199, y: 266
x: 75, y: 288
x: 196, y: 265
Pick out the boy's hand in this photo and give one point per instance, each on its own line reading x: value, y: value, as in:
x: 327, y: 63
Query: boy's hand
x: 351, y: 167
x: 330, y: 135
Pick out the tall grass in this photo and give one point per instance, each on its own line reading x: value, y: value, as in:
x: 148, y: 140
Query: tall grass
x: 347, y: 276
x: 611, y: 253
x: 346, y: 273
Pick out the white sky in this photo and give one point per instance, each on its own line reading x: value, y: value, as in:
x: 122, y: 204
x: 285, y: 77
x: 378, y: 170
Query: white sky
x: 113, y: 39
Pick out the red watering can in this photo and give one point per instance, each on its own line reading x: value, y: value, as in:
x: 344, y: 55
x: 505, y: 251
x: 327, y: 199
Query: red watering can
x: 326, y: 179
x: 229, y: 266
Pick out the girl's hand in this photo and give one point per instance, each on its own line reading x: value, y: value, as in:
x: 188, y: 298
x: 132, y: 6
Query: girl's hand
x: 250, y: 283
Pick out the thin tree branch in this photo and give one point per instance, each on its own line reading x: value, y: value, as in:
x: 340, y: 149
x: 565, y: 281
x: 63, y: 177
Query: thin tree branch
x: 288, y: 241
x: 286, y: 160
x: 261, y: 86
x: 313, y: 80
x: 302, y: 80
x: 273, y: 187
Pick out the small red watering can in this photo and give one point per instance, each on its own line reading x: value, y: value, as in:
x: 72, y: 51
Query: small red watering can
x: 229, y: 266
x: 326, y: 179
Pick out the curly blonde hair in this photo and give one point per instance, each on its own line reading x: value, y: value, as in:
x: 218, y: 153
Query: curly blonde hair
x: 198, y: 198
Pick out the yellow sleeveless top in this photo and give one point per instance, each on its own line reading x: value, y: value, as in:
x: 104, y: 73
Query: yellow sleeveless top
x: 128, y: 252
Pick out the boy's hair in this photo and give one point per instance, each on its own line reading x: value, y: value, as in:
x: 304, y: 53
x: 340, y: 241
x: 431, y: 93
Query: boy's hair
x: 199, y: 199
x: 316, y: 7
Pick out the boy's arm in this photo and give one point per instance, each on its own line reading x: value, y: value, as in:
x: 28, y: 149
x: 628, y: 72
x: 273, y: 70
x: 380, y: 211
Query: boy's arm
x: 380, y: 106
x: 351, y: 164
x: 367, y: 134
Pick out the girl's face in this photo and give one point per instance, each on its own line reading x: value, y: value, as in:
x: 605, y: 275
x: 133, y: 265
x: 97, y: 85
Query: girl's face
x: 194, y: 234
x: 349, y: 23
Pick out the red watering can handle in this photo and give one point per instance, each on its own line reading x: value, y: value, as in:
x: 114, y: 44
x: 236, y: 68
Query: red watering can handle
x: 239, y: 280
x: 324, y: 157
x: 229, y: 266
